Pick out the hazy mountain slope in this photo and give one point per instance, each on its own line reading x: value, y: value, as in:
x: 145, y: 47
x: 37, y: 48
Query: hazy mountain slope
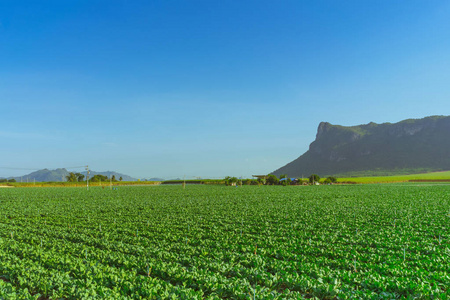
x: 46, y: 175
x: 407, y: 146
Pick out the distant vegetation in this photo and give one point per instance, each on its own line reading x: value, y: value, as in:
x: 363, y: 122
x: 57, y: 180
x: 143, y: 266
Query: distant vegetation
x: 274, y: 180
x: 74, y: 177
x: 76, y: 184
x: 433, y: 176
x: 7, y: 180
x: 102, y: 178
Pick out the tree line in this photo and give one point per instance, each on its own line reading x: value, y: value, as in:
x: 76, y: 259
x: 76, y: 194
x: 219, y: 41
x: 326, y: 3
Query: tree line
x: 283, y: 180
x: 78, y: 177
x: 7, y: 180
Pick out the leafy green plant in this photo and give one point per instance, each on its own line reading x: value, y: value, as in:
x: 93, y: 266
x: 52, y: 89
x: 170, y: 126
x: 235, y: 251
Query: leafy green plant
x: 213, y: 242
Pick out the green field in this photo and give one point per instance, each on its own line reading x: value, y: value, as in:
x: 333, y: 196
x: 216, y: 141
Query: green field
x: 105, y: 184
x: 398, y: 178
x: 215, y: 242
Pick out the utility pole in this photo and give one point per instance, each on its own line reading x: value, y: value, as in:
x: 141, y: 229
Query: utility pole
x: 87, y: 177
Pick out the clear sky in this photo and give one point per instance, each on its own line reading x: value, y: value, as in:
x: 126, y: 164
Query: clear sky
x: 208, y: 88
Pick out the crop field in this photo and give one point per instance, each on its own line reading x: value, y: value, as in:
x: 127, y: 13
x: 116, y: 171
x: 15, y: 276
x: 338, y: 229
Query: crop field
x: 437, y: 176
x: 215, y: 242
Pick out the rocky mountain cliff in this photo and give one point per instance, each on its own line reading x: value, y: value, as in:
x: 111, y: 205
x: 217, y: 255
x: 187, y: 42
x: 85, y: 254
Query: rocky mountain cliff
x: 409, y: 146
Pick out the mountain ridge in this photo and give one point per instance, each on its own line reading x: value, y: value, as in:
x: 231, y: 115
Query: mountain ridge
x: 412, y: 145
x: 59, y: 174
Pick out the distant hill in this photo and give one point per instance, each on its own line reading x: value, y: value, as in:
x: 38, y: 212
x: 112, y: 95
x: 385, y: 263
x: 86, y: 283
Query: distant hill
x: 155, y: 179
x: 46, y: 175
x: 409, y: 146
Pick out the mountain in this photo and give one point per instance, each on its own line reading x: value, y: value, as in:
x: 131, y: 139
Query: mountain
x: 60, y: 175
x: 155, y: 179
x: 409, y: 146
x: 44, y: 175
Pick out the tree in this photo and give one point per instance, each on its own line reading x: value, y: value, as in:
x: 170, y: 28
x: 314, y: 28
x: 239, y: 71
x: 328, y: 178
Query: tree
x: 330, y: 180
x: 231, y: 180
x: 314, y: 178
x: 113, y: 178
x: 272, y: 179
x: 286, y: 181
x: 80, y: 177
x: 261, y: 180
x: 98, y: 178
x: 120, y: 178
x: 72, y: 177
x: 300, y: 181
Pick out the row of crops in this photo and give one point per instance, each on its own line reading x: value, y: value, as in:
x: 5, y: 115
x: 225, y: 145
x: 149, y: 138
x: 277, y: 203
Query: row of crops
x: 217, y: 242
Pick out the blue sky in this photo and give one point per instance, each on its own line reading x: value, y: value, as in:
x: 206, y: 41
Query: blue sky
x: 208, y: 88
